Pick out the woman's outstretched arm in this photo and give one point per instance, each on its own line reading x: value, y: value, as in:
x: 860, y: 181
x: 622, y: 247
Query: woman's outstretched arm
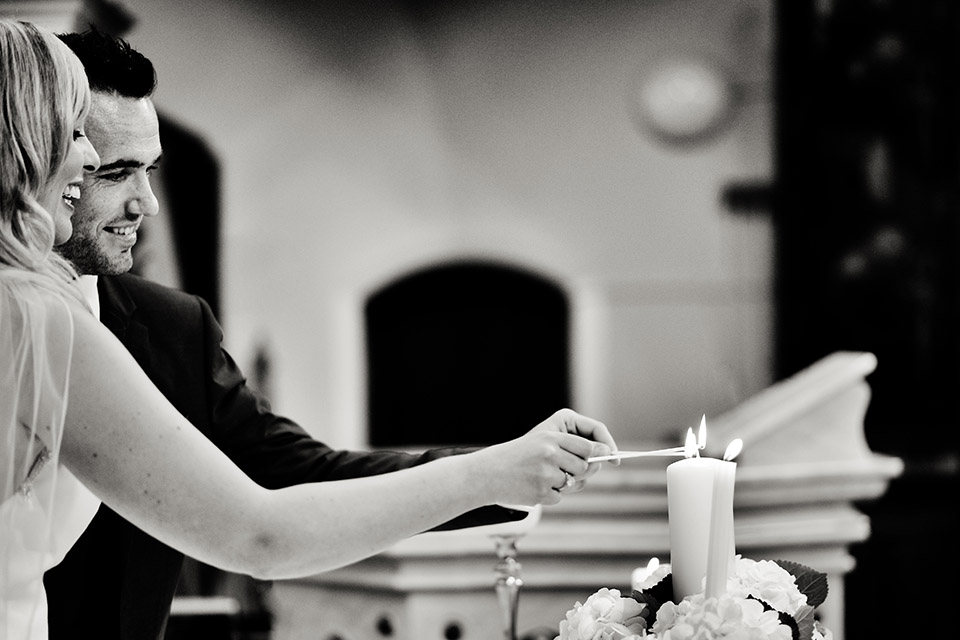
x: 142, y: 458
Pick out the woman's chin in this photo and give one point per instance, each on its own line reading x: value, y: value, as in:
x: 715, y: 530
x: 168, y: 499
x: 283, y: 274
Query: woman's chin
x: 62, y: 228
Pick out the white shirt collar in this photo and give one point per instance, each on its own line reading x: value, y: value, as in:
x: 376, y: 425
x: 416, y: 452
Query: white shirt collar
x: 88, y: 287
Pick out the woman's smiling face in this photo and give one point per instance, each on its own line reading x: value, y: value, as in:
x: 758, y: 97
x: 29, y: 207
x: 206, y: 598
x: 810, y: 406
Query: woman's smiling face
x: 63, y: 190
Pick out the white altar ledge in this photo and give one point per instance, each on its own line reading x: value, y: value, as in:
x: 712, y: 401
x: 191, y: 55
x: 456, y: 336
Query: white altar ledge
x: 803, y: 467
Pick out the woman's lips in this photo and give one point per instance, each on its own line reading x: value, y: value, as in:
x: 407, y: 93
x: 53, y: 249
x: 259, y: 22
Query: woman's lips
x: 71, y: 193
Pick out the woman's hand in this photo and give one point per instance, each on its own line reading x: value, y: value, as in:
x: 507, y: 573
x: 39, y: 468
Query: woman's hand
x: 546, y: 462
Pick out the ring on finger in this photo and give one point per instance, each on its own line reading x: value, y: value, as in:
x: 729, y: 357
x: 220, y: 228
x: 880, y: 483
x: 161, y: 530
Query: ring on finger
x: 569, y: 482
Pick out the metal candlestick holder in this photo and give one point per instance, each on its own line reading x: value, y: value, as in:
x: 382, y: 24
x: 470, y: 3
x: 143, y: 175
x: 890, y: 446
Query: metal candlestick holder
x: 508, y: 582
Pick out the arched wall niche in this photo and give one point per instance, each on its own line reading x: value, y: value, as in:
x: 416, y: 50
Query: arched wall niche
x: 464, y: 352
x: 378, y: 270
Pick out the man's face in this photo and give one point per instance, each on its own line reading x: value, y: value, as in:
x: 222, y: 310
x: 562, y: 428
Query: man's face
x: 115, y: 197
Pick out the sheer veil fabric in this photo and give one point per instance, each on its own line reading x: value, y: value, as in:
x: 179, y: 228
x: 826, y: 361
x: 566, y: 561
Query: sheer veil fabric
x: 43, y: 507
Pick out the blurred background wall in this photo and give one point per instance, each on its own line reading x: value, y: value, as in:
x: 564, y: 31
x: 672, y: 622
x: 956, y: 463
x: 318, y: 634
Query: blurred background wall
x: 362, y: 140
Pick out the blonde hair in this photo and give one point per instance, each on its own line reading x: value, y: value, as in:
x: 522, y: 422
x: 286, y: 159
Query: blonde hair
x: 43, y: 94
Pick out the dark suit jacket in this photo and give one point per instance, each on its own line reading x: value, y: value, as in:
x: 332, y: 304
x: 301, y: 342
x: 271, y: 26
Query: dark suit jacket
x: 117, y: 582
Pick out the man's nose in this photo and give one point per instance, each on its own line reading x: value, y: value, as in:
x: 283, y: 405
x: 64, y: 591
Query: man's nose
x: 145, y: 203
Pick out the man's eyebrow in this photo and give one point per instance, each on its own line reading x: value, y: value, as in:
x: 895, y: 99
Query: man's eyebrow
x: 119, y: 164
x: 126, y: 164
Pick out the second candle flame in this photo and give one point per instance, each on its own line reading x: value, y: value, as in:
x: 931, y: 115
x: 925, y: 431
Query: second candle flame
x: 733, y: 449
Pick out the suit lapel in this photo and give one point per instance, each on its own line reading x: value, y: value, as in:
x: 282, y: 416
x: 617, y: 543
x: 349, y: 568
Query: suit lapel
x: 117, y: 313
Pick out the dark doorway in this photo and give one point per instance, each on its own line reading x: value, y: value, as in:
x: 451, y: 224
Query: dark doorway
x: 466, y: 353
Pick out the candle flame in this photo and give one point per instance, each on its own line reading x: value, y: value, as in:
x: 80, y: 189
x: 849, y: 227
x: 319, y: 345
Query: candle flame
x: 733, y: 449
x: 653, y: 564
x: 690, y: 446
x: 702, y: 436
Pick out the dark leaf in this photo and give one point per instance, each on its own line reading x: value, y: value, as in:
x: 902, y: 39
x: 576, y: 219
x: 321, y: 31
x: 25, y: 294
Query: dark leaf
x: 812, y: 583
x: 654, y: 597
x: 805, y: 622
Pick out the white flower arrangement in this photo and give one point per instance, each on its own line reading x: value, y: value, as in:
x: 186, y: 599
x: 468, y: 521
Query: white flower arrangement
x: 764, y: 600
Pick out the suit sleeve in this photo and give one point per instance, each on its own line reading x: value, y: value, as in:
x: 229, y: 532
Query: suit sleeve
x: 276, y: 452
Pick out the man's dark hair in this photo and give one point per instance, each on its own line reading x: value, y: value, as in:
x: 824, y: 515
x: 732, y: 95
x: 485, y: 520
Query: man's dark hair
x: 112, y: 65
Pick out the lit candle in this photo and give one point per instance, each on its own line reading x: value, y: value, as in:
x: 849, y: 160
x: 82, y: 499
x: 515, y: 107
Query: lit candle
x: 721, y: 546
x: 698, y: 490
x: 689, y: 504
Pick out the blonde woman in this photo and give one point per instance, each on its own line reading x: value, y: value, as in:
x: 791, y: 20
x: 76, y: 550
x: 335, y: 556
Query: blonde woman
x: 80, y: 422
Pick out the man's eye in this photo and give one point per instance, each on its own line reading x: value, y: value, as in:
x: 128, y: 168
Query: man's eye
x: 112, y: 177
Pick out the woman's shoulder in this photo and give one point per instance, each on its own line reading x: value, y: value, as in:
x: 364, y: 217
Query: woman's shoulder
x: 37, y: 303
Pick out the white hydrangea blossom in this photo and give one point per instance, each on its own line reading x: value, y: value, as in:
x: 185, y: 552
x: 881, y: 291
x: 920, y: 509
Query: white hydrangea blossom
x: 767, y: 581
x: 606, y: 615
x: 724, y: 618
x: 738, y: 614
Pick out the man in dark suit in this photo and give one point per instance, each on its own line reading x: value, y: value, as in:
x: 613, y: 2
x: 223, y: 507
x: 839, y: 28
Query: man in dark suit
x: 117, y: 582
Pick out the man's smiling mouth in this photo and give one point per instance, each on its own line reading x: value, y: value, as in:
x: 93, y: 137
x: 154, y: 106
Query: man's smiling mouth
x: 121, y: 231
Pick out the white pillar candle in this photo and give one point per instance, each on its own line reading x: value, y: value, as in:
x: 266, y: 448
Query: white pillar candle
x: 689, y: 505
x: 721, y: 545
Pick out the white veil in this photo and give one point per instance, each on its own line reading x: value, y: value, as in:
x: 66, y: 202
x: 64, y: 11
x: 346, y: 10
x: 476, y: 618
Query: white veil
x: 36, y: 337
x: 43, y: 507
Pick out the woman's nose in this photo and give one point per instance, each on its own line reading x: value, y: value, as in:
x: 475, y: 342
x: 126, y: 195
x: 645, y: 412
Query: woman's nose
x: 91, y: 159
